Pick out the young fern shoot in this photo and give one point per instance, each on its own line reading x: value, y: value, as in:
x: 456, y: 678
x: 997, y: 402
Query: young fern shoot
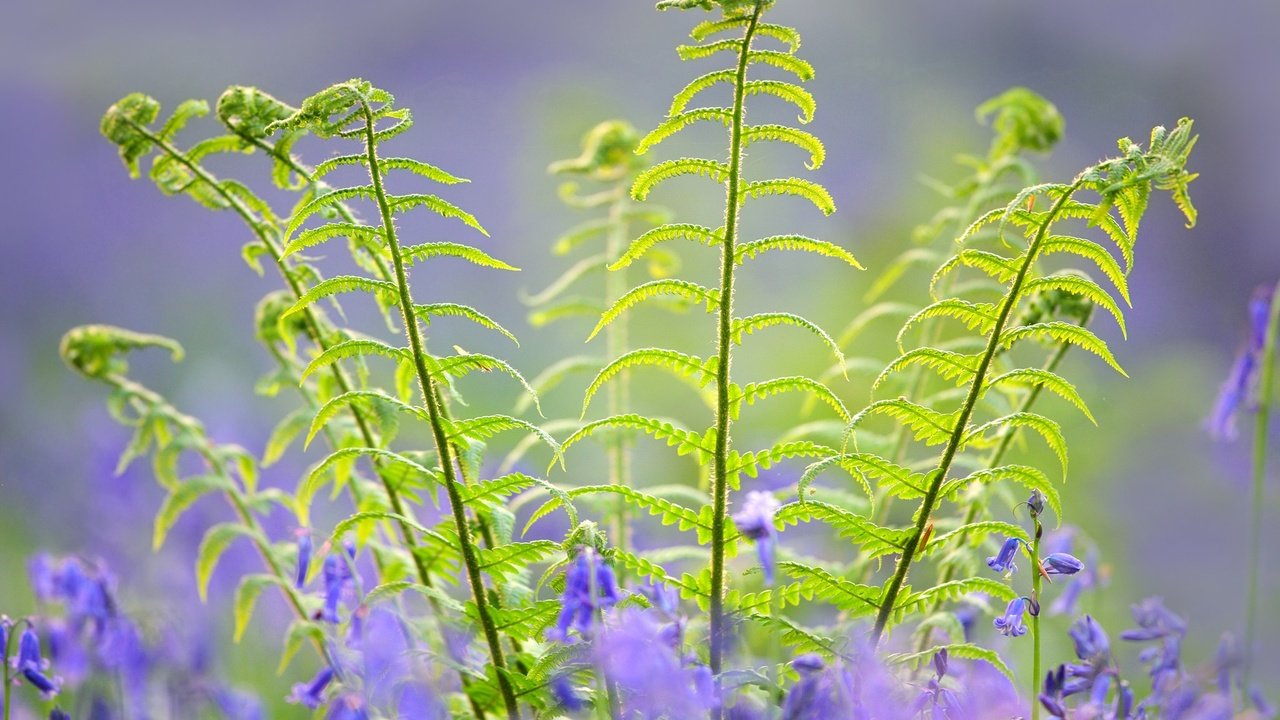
x: 1122, y: 184
x: 743, y: 20
x: 357, y: 111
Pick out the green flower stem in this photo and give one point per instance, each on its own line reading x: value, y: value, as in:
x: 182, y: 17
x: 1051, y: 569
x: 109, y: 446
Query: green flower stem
x: 444, y: 449
x: 271, y: 241
x: 1037, y: 575
x: 925, y: 512
x: 8, y: 677
x: 720, y: 479
x: 1265, y: 384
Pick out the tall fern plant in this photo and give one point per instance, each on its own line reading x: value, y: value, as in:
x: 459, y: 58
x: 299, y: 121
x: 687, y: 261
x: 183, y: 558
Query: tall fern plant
x: 714, y: 447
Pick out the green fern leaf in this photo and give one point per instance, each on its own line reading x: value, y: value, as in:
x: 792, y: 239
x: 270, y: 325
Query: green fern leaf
x: 1031, y: 478
x: 1046, y: 428
x: 1002, y: 269
x: 782, y: 61
x: 751, y: 250
x: 484, y: 427
x: 854, y: 599
x: 685, y: 96
x: 873, y: 540
x: 179, y: 500
x: 690, y: 291
x: 670, y: 513
x: 246, y: 599
x: 578, y: 270
x: 283, y: 434
x: 751, y: 463
x: 706, y: 50
x: 797, y: 187
x: 665, y: 233
x: 975, y: 531
x: 740, y: 327
x: 466, y: 363
x: 670, y: 360
x: 336, y: 405
x: 929, y: 425
x: 781, y: 133
x: 343, y: 284
x: 215, y: 542
x: 437, y: 205
x: 417, y: 167
x: 1080, y: 286
x: 505, y: 561
x: 316, y: 477
x: 663, y: 171
x: 685, y: 441
x: 353, y: 348
x: 1060, y: 332
x: 957, y: 367
x: 1091, y: 251
x: 318, y: 235
x: 680, y: 121
x: 966, y: 651
x: 1052, y: 382
x: 975, y: 316
x: 793, y: 94
x: 417, y: 253
x: 752, y: 392
x: 427, y: 311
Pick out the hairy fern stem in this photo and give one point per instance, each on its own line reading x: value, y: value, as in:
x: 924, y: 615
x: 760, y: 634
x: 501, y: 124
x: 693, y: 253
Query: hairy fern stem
x: 432, y: 401
x: 619, y: 392
x: 1265, y: 392
x: 924, y: 513
x: 724, y: 345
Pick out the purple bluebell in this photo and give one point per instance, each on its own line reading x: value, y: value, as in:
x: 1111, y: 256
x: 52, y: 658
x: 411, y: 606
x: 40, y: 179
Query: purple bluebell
x: 236, y: 704
x: 1061, y: 564
x: 565, y: 695
x: 336, y: 579
x: 67, y: 651
x: 1093, y: 650
x: 311, y: 694
x: 1035, y: 503
x: 1240, y: 383
x: 820, y: 692
x: 755, y: 521
x: 589, y: 587
x: 1265, y: 709
x: 1003, y: 561
x: 1228, y: 660
x: 304, y: 557
x: 1164, y: 657
x: 653, y: 679
x: 939, y: 702
x: 32, y: 666
x: 58, y: 714
x: 1011, y: 622
x: 124, y: 651
x: 1155, y: 621
x: 348, y: 706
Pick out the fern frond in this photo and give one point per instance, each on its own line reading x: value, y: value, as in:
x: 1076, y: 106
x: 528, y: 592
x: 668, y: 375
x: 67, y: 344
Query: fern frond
x: 783, y: 61
x: 1077, y: 285
x: 468, y: 362
x: 789, y: 92
x: 316, y: 477
x: 482, y: 428
x: 873, y: 540
x: 751, y: 392
x: 1060, y: 332
x: 976, y: 531
x: 1052, y: 382
x: 417, y: 253
x: 671, y: 360
x: 343, y: 284
x: 1031, y: 478
x: 706, y: 50
x: 663, y: 171
x: 318, y: 235
x: 353, y: 348
x: 664, y: 233
x: 975, y: 316
x: 741, y: 327
x: 853, y: 599
x: 1090, y: 250
x: 751, y: 463
x: 965, y: 651
x: 690, y: 291
x: 952, y: 366
x: 751, y: 250
x: 697, y: 85
x: 797, y: 187
x: 578, y: 270
x: 430, y: 310
x: 781, y: 133
x: 928, y: 425
x: 680, y: 121
x: 336, y: 405
x: 685, y: 441
x: 437, y: 205
x: 1046, y: 428
x: 669, y: 512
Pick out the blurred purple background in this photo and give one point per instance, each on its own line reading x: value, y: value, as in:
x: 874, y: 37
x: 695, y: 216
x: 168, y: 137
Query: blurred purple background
x: 501, y: 88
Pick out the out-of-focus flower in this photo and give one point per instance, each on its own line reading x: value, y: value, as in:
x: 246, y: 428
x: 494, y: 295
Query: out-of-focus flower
x: 1061, y: 564
x: 1010, y: 623
x: 589, y: 587
x: 1241, y: 383
x: 348, y: 706
x: 565, y: 695
x: 32, y: 666
x: 58, y: 714
x: 1003, y: 561
x: 755, y: 520
x: 311, y: 694
x: 304, y: 557
x: 654, y: 681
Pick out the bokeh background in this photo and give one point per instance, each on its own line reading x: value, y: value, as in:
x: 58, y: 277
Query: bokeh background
x: 500, y: 89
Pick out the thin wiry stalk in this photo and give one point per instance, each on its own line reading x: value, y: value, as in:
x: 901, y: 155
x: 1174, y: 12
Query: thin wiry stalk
x: 444, y: 450
x: 923, y: 515
x: 720, y: 480
x: 1265, y: 382
x: 619, y: 391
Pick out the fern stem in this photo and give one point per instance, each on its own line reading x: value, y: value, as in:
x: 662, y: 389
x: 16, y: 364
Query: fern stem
x: 966, y: 411
x: 720, y: 480
x: 444, y: 449
x: 1265, y: 383
x: 312, y: 324
x: 619, y: 391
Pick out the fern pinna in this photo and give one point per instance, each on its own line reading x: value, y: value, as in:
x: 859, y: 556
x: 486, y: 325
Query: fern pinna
x: 714, y: 447
x: 1123, y: 186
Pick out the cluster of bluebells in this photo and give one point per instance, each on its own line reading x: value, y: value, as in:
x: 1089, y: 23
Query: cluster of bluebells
x: 1056, y: 563
x: 89, y: 638
x: 1092, y: 686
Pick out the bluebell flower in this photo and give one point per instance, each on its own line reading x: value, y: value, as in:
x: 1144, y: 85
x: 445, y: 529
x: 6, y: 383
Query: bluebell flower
x: 348, y: 706
x: 1227, y: 661
x: 820, y: 692
x: 336, y: 577
x: 1010, y: 623
x: 311, y: 694
x: 1264, y: 708
x: 304, y: 557
x: 565, y: 695
x: 755, y: 521
x: 32, y: 666
x: 1242, y: 380
x: 589, y: 587
x: 1155, y: 621
x: 58, y: 714
x: 653, y: 679
x: 1093, y: 650
x: 236, y: 705
x: 941, y: 702
x: 1035, y: 503
x: 1061, y: 564
x: 1003, y: 561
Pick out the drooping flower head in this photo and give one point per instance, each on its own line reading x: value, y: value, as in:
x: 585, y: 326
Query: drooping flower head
x: 653, y: 679
x: 1061, y: 564
x: 32, y: 666
x: 1241, y: 382
x: 304, y: 557
x: 755, y: 521
x: 589, y: 587
x: 1003, y: 561
x: 311, y: 694
x: 1011, y: 622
